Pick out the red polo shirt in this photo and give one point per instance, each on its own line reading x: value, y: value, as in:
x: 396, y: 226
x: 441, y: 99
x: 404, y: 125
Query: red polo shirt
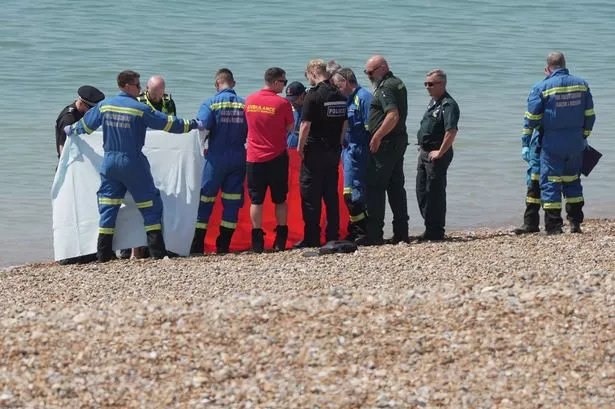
x: 268, y: 116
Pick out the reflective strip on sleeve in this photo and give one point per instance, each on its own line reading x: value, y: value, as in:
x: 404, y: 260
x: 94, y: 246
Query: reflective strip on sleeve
x: 169, y: 124
x: 106, y: 230
x: 527, y: 131
x: 208, y: 199
x: 587, y: 132
x: 357, y: 218
x: 153, y: 227
x: 85, y: 127
x: 186, y: 125
x: 556, y: 179
x: 533, y: 200
x: 200, y: 225
x: 222, y: 105
x: 576, y: 199
x: 589, y: 112
x: 109, y: 201
x: 552, y: 205
x: 121, y: 110
x: 533, y: 117
x: 535, y: 176
x: 231, y: 196
x: 568, y: 179
x: 347, y: 190
x: 142, y: 205
x: 564, y: 90
x: 228, y: 225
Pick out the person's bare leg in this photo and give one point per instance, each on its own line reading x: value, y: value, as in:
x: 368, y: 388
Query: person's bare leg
x: 281, y: 213
x: 256, y: 215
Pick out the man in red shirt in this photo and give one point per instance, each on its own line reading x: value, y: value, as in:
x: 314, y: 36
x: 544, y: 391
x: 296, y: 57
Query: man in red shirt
x: 270, y: 119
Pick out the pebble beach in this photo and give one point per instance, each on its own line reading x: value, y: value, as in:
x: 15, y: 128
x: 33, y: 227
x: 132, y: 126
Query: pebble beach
x: 485, y: 319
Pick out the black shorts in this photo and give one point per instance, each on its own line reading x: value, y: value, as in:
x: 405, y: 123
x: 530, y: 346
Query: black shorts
x: 272, y: 174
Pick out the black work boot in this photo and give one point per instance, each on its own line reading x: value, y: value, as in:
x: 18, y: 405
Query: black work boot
x: 281, y: 235
x: 352, y: 233
x: 125, y: 254
x: 104, y: 248
x: 223, y: 242
x: 525, y: 229
x: 155, y: 242
x: 553, y: 221
x: 198, y: 241
x: 575, y: 227
x: 258, y: 240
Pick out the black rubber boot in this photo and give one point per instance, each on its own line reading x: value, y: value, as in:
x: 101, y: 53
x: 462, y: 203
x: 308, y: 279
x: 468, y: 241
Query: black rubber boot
x: 198, y: 241
x: 125, y: 254
x: 553, y: 221
x: 223, y: 241
x: 258, y: 240
x: 525, y: 229
x: 155, y: 242
x: 281, y: 235
x: 104, y: 248
x: 575, y: 227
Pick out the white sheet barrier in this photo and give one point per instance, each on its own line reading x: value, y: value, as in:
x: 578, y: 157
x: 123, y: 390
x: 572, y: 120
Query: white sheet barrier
x: 176, y: 164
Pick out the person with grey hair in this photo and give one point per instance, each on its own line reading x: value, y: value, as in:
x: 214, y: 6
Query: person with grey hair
x: 155, y: 97
x: 562, y: 108
x: 435, y: 139
x: 332, y: 68
x: 355, y: 151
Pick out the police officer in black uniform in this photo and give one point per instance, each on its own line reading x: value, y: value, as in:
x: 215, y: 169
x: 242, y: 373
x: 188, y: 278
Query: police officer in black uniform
x: 88, y: 96
x: 321, y: 134
x: 388, y: 142
x: 435, y: 138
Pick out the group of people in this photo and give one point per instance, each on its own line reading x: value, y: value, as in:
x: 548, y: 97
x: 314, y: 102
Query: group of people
x: 248, y: 139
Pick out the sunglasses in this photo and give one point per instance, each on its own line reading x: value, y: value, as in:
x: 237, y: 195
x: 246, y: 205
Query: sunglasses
x: 429, y: 84
x: 282, y: 81
x: 370, y: 72
x: 138, y: 85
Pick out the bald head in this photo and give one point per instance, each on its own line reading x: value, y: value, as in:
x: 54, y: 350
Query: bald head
x: 556, y: 60
x: 376, y: 68
x: 155, y: 88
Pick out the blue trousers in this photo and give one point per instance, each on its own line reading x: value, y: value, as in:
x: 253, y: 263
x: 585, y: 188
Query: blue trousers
x: 355, y: 158
x: 227, y: 173
x: 119, y: 173
x: 559, y: 173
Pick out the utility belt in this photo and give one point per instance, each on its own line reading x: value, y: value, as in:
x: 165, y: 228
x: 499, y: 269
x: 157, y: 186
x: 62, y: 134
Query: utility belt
x: 428, y: 147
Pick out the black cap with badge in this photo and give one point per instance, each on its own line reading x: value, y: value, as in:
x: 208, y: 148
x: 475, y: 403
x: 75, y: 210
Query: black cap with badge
x: 90, y: 95
x: 294, y: 90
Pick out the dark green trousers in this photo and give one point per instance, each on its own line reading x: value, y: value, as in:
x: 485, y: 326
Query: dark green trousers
x: 431, y: 191
x: 385, y: 176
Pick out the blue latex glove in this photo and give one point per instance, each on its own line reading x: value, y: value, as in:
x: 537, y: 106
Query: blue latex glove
x: 199, y: 124
x: 67, y: 130
x: 525, y: 153
x: 585, y: 144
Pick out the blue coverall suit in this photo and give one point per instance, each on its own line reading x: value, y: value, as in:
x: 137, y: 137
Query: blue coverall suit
x: 293, y: 136
x: 355, y: 156
x: 531, y: 217
x: 562, y: 106
x: 225, y: 164
x: 124, y: 121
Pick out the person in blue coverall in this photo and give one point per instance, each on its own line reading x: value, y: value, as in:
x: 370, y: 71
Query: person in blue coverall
x: 125, y: 168
x: 355, y: 152
x: 562, y: 107
x: 224, y: 168
x: 295, y: 92
x: 531, y: 217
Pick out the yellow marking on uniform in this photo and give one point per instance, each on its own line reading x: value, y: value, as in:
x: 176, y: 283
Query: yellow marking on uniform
x: 208, y: 199
x: 534, y: 200
x: 576, y: 199
x: 589, y: 112
x: 564, y: 90
x: 169, y: 123
x: 121, y: 110
x: 231, y: 196
x: 153, y: 227
x: 143, y: 205
x: 109, y: 201
x: 106, y: 230
x: 552, y: 205
x: 228, y: 225
x: 534, y: 117
x: 200, y: 225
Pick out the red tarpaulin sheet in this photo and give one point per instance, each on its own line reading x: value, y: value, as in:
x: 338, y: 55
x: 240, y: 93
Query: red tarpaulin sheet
x: 242, y: 239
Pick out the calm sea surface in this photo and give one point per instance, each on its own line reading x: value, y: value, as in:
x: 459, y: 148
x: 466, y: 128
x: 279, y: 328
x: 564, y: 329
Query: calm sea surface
x: 492, y: 50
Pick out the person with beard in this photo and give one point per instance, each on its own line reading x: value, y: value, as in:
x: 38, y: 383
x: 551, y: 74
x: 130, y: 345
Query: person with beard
x: 387, y: 145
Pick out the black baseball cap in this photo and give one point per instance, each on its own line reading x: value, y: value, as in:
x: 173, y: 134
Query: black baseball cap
x: 294, y: 89
x: 90, y: 95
